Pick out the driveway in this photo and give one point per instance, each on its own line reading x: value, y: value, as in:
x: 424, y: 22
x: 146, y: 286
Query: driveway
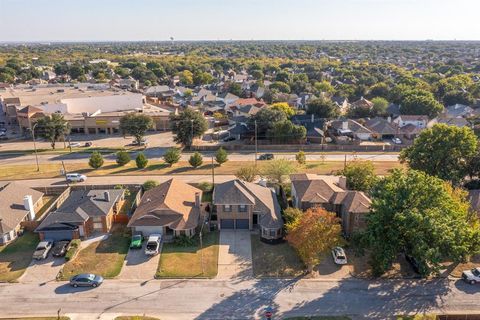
x: 235, y: 255
x: 139, y: 266
x: 43, y: 271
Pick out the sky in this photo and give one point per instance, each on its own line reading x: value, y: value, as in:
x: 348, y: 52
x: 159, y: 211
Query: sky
x: 158, y: 20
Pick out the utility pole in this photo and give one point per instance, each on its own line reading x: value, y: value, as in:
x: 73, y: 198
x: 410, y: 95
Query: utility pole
x: 35, y: 145
x: 345, y: 162
x: 213, y: 174
x: 65, y: 172
x: 191, y: 121
x: 256, y: 144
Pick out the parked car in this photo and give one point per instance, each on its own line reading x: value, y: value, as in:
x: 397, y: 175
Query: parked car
x: 3, y: 133
x: 227, y: 139
x: 60, y: 248
x: 88, y: 144
x: 266, y: 156
x: 75, y: 177
x: 339, y: 256
x: 136, y: 242
x: 42, y: 249
x: 397, y: 141
x: 75, y: 144
x: 153, y: 244
x: 86, y: 280
x: 471, y: 276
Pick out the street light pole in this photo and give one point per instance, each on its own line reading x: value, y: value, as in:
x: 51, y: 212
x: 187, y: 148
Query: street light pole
x: 35, y: 145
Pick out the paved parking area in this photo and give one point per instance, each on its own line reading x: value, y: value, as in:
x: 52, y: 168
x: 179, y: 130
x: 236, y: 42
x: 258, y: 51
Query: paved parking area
x: 139, y: 266
x: 43, y: 271
x: 235, y: 254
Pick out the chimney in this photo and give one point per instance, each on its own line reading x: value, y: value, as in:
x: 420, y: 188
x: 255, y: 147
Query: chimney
x: 106, y: 194
x: 345, y: 125
x: 389, y: 119
x: 313, y: 118
x: 197, y: 199
x: 28, y: 204
x: 342, y: 182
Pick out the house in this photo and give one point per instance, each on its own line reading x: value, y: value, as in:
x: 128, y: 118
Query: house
x: 341, y: 103
x: 244, y: 205
x: 314, y: 126
x: 457, y: 122
x: 83, y: 213
x: 382, y: 128
x: 419, y: 121
x: 351, y: 128
x: 18, y: 203
x: 172, y: 209
x: 310, y: 191
x: 458, y: 111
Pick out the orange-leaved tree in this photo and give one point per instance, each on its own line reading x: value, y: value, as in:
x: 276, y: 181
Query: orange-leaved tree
x: 316, y: 232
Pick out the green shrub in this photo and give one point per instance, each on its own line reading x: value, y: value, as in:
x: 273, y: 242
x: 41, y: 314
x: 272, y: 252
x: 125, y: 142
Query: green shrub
x: 184, y: 241
x: 221, y: 156
x: 96, y: 160
x: 141, y: 161
x: 196, y: 160
x: 149, y: 184
x: 172, y: 156
x: 301, y: 157
x: 72, y: 250
x: 123, y: 158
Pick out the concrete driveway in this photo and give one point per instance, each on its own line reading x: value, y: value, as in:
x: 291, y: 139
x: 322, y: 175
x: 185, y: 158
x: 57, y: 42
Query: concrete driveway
x: 235, y: 255
x: 139, y: 266
x: 43, y: 271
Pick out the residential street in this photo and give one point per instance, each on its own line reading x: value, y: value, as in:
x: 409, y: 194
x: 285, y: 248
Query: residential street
x: 236, y: 299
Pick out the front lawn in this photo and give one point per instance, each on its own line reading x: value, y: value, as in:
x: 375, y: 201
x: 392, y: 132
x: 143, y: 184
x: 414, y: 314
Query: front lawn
x: 135, y: 318
x: 177, y: 261
x: 320, y: 318
x: 16, y: 256
x: 37, y: 318
x: 104, y: 258
x: 275, y: 260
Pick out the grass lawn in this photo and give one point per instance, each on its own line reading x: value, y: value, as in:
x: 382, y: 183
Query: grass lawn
x: 134, y: 318
x: 274, y: 260
x: 16, y: 256
x: 459, y: 268
x: 178, y: 261
x: 37, y: 318
x: 320, y: 318
x: 52, y: 170
x: 103, y: 258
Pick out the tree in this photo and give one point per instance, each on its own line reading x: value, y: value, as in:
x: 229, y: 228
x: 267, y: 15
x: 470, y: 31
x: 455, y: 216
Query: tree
x: 323, y: 108
x: 136, y: 124
x: 380, y: 106
x: 123, y: 158
x: 420, y: 102
x: 360, y: 175
x: 276, y: 170
x: 247, y: 174
x: 172, y: 156
x: 324, y: 87
x: 315, y: 233
x: 96, y: 160
x: 280, y: 86
x: 149, y: 184
x: 221, y: 156
x: 421, y: 216
x: 286, y: 131
x: 285, y: 107
x: 236, y: 89
x: 141, y: 161
x: 442, y: 151
x: 52, y: 128
x: 301, y: 158
x: 187, y: 126
x: 291, y: 216
x: 196, y: 160
x: 186, y: 77
x: 266, y: 118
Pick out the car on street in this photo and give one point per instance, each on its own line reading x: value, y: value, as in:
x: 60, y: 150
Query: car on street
x: 397, y: 141
x: 88, y: 144
x: 74, y: 144
x: 3, y: 133
x: 339, y: 256
x: 86, y: 280
x: 471, y: 276
x: 136, y: 242
x: 75, y: 177
x: 266, y: 156
x: 153, y: 244
x: 60, y: 248
x: 42, y: 249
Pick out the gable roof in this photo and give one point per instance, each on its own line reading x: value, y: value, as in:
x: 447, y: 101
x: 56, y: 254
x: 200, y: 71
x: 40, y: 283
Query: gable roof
x: 171, y: 204
x: 12, y: 210
x: 381, y: 126
x: 314, y: 191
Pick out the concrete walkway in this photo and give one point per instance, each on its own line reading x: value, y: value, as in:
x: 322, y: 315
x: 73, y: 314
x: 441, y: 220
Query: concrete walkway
x: 235, y: 255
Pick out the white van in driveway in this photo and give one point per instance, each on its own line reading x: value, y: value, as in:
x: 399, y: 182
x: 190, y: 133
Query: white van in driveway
x: 153, y: 244
x: 75, y: 177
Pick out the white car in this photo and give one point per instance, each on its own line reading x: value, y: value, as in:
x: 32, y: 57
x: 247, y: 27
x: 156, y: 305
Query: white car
x: 75, y: 144
x: 339, y: 256
x: 397, y: 141
x: 76, y: 177
x: 471, y: 276
x: 153, y: 244
x: 42, y: 250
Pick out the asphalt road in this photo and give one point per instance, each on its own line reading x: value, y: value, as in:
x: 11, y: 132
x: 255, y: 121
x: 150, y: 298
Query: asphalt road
x: 241, y: 299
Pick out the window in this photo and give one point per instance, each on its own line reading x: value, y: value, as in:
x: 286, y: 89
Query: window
x: 264, y: 232
x: 227, y: 208
x: 242, y: 208
x: 97, y: 219
x: 272, y: 233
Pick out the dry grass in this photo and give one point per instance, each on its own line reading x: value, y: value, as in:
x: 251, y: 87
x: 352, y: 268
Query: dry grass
x: 16, y: 256
x: 457, y: 269
x: 52, y: 170
x: 37, y: 318
x: 104, y: 258
x: 401, y: 269
x: 178, y: 261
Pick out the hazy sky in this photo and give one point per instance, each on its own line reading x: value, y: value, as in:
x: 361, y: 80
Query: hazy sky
x: 84, y: 20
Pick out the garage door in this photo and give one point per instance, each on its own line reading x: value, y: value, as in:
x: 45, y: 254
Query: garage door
x: 147, y: 231
x: 59, y: 235
x: 227, y: 224
x: 242, y: 223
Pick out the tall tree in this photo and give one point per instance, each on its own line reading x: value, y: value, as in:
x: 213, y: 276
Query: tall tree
x: 421, y: 216
x: 323, y: 108
x: 136, y: 124
x: 285, y: 107
x: 420, y: 102
x: 247, y: 174
x: 443, y: 151
x: 221, y: 156
x: 187, y: 126
x: 52, y: 128
x: 360, y: 175
x: 313, y: 234
x: 286, y: 131
x: 266, y: 118
x: 276, y: 171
